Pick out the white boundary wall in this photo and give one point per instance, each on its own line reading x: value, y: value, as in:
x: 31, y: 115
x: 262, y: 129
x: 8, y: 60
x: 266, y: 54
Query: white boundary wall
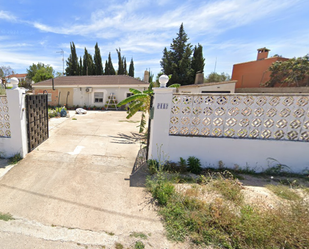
x: 252, y: 153
x: 17, y: 143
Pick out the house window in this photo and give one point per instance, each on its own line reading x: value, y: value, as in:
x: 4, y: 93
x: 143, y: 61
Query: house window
x: 98, y: 97
x: 49, y: 97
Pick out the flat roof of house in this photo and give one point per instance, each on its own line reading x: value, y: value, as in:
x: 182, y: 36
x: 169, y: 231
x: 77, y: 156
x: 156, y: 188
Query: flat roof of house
x: 209, y: 84
x: 92, y: 80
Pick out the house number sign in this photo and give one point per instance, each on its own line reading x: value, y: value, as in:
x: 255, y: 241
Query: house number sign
x: 162, y: 105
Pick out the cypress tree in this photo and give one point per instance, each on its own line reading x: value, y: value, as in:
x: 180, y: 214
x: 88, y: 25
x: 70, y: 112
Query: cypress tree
x: 72, y: 62
x: 109, y: 68
x: 131, y: 68
x: 106, y: 72
x: 120, y: 63
x: 80, y: 66
x: 198, y: 61
x: 124, y: 66
x: 88, y: 65
x: 98, y: 67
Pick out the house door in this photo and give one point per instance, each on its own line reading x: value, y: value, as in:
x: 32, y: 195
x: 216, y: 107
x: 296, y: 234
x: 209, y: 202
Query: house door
x: 37, y: 120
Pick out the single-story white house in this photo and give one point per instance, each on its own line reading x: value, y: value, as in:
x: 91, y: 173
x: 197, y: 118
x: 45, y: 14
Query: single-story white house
x: 90, y: 91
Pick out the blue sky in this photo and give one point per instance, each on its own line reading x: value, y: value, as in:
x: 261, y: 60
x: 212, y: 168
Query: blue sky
x: 230, y: 31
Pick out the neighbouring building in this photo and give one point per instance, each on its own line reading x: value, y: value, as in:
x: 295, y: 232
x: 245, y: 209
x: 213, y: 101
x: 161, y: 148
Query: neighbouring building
x: 21, y: 77
x: 213, y: 87
x: 254, y: 74
x: 94, y: 90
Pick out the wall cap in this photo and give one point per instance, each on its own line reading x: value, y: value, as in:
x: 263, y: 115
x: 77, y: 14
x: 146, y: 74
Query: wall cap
x: 163, y: 90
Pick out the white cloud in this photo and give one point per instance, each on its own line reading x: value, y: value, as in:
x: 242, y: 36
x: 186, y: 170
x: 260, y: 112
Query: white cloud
x: 143, y: 28
x: 5, y: 15
x: 20, y: 61
x: 206, y: 17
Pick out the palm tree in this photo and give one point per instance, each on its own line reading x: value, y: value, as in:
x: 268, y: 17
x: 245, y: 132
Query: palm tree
x: 140, y: 101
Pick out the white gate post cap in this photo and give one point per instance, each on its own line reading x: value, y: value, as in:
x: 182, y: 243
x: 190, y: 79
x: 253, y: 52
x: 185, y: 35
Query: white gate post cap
x: 163, y: 79
x: 14, y: 82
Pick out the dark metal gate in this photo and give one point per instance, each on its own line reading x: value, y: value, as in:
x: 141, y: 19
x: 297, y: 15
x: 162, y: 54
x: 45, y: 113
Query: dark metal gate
x: 37, y: 120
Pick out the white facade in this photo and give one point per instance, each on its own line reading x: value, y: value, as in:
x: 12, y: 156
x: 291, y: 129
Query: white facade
x: 255, y: 131
x: 16, y: 143
x: 82, y: 97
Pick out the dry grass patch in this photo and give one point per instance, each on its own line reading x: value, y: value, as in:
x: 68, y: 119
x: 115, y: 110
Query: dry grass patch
x: 223, y: 213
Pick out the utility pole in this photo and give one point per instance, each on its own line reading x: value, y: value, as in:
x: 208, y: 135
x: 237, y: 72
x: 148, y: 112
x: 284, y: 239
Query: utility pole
x: 62, y: 52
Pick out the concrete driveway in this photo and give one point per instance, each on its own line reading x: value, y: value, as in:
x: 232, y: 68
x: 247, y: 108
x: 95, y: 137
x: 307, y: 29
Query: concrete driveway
x: 79, y: 178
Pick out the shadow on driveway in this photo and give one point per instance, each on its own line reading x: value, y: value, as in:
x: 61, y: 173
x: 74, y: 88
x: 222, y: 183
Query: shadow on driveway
x: 122, y: 138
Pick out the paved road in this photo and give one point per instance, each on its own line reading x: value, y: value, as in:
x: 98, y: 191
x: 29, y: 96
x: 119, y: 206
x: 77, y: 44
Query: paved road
x: 79, y: 178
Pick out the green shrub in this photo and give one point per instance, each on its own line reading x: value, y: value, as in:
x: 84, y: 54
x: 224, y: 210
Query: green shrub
x: 139, y: 245
x: 15, y: 159
x: 140, y: 235
x: 6, y: 217
x: 153, y: 166
x: 163, y: 192
x: 118, y: 246
x: 194, y: 165
x: 276, y: 168
x: 183, y: 165
x: 160, y: 187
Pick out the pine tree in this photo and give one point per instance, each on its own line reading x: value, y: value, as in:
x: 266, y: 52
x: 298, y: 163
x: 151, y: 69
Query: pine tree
x: 177, y: 61
x: 88, y: 65
x: 120, y: 63
x: 98, y: 67
x: 72, y: 62
x: 109, y: 68
x: 181, y: 61
x: 131, y: 68
x: 166, y: 62
x: 198, y: 61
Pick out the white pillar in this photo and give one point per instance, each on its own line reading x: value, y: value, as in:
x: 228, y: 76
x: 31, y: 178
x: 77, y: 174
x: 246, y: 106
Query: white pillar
x: 159, y: 133
x: 16, y: 103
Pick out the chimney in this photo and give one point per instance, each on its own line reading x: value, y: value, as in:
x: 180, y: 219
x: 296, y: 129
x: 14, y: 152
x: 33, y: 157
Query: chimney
x: 146, y: 76
x: 199, y: 78
x: 262, y: 53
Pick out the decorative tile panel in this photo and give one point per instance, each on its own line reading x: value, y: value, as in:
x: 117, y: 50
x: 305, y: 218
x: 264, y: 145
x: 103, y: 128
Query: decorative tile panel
x: 277, y: 117
x: 5, y: 126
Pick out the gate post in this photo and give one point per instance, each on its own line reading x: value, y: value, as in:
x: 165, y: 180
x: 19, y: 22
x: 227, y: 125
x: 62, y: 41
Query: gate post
x: 16, y: 104
x: 159, y: 134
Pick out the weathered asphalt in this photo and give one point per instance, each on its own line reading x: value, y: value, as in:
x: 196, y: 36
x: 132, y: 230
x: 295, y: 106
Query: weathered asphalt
x: 79, y: 178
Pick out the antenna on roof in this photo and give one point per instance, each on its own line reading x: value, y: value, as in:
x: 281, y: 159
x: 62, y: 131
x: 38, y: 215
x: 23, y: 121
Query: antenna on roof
x: 62, y: 52
x: 215, y: 65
